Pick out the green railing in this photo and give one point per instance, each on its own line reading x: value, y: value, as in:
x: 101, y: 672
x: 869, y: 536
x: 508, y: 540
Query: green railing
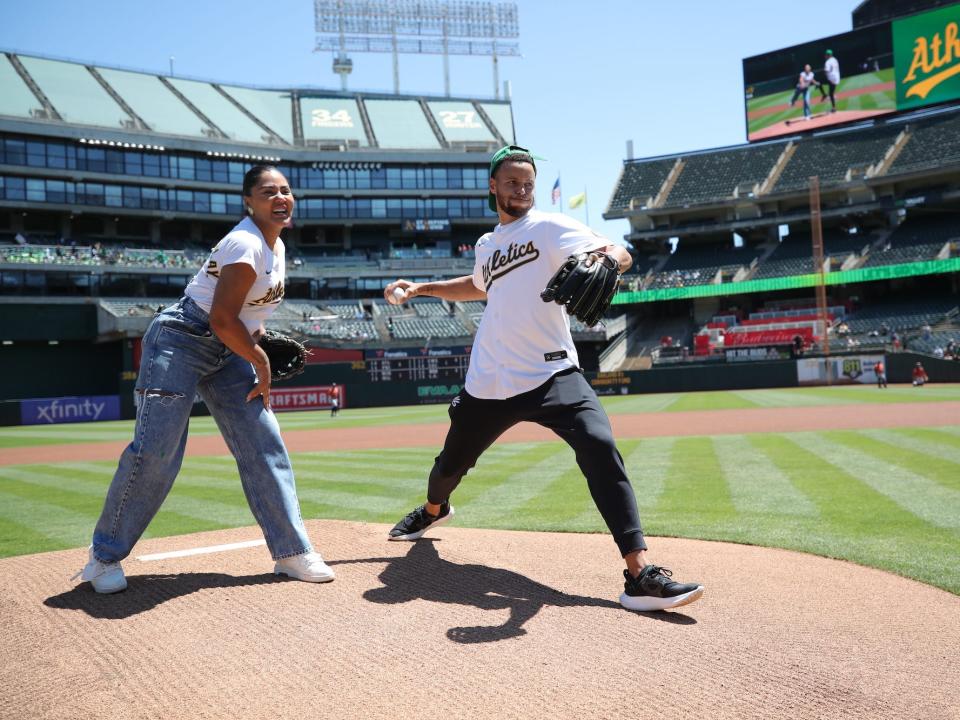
x: 792, y: 282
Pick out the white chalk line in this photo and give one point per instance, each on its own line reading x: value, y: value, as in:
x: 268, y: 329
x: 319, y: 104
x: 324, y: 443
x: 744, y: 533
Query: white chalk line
x: 201, y: 550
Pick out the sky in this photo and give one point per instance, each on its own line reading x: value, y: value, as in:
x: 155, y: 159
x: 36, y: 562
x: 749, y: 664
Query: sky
x: 666, y: 75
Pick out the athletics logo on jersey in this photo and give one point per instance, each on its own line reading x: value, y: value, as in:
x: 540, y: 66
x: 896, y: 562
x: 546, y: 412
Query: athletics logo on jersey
x: 455, y: 401
x: 273, y: 296
x: 500, y: 263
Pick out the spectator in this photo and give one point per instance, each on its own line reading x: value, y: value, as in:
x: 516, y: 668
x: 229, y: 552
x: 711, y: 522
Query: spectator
x: 919, y: 376
x: 938, y: 352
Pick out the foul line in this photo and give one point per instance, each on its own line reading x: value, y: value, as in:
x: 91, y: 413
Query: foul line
x: 201, y: 550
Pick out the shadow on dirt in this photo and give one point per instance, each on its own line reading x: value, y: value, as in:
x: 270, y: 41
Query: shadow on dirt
x: 145, y: 592
x: 423, y: 575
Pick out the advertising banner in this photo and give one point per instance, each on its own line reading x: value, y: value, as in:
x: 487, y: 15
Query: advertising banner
x: 843, y: 369
x: 44, y: 411
x: 318, y: 397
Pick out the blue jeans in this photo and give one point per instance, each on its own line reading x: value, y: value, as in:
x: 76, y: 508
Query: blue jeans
x: 181, y: 357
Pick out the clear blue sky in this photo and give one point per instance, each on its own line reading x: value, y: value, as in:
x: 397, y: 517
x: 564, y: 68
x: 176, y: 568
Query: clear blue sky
x: 593, y: 75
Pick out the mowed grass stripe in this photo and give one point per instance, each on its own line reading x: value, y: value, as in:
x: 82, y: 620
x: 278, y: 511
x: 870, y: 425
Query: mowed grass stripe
x: 61, y: 527
x: 719, y: 400
x: 18, y: 538
x: 938, y: 461
x: 914, y: 493
x: 497, y: 506
x: 89, y: 504
x: 695, y: 489
x: 855, y: 521
x: 940, y: 438
x: 756, y: 484
x: 200, y: 503
x: 647, y: 467
x: 619, y: 404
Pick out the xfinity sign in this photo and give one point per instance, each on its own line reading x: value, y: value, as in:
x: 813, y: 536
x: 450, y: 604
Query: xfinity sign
x: 47, y: 411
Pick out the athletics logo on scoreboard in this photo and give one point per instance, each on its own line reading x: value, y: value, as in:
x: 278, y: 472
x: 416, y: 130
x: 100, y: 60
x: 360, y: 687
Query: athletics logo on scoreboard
x: 926, y: 51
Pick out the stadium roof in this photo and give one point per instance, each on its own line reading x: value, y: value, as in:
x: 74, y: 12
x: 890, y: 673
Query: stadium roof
x: 53, y: 96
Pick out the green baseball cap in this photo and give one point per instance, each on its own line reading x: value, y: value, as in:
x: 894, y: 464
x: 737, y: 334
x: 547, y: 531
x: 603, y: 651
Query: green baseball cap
x: 829, y: 52
x: 498, y: 157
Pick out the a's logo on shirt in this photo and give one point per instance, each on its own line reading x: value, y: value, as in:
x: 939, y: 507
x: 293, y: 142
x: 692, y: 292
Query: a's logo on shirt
x: 272, y: 297
x: 501, y: 263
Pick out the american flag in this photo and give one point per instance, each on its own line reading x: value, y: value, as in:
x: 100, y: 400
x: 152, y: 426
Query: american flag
x: 555, y: 194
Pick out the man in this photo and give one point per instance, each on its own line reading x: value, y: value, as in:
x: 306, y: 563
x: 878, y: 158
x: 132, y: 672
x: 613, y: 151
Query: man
x: 881, y: 372
x: 524, y: 366
x: 919, y: 376
x: 831, y: 70
x: 334, y: 401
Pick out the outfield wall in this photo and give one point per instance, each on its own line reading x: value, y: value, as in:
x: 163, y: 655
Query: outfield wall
x: 80, y: 382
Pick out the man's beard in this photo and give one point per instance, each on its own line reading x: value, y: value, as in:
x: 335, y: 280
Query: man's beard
x: 513, y: 212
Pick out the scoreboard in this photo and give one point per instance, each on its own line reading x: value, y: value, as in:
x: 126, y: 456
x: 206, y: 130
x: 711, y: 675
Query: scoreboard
x: 417, y: 364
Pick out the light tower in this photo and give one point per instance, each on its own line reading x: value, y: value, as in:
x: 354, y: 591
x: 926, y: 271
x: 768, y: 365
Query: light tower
x: 426, y: 27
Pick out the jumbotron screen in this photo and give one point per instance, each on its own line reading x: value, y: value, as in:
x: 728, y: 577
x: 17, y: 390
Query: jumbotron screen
x: 876, y: 70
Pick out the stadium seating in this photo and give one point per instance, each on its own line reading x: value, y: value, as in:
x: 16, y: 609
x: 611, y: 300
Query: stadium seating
x: 429, y: 327
x: 934, y: 142
x: 640, y: 180
x: 715, y: 175
x: 791, y: 257
x: 699, y: 266
x: 78, y: 95
x: 96, y: 255
x: 830, y: 157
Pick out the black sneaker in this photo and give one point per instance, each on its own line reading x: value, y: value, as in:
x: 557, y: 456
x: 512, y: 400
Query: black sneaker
x: 653, y: 589
x: 418, y: 521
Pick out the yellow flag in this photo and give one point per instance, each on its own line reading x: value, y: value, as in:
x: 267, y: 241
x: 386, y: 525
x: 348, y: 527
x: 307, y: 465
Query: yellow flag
x: 578, y: 200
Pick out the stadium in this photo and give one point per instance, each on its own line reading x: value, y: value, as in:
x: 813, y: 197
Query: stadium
x: 772, y: 281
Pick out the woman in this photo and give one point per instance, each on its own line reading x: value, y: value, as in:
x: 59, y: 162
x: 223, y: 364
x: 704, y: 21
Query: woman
x: 206, y: 343
x: 805, y: 83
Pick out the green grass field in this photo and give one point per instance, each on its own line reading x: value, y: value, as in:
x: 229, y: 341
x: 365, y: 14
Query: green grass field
x: 884, y: 498
x: 883, y: 100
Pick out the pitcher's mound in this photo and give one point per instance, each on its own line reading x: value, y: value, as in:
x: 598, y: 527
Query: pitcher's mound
x: 472, y: 624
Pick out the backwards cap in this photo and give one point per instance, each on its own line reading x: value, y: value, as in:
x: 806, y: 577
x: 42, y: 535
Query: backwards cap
x: 498, y: 158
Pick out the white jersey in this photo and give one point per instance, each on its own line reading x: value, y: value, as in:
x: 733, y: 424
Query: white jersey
x: 244, y: 244
x: 523, y: 341
x: 832, y: 70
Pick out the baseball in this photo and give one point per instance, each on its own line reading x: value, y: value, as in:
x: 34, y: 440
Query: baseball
x: 398, y: 295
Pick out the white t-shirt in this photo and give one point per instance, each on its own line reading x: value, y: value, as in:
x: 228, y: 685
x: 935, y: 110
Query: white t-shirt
x: 832, y: 70
x: 523, y: 341
x: 806, y: 80
x: 244, y: 244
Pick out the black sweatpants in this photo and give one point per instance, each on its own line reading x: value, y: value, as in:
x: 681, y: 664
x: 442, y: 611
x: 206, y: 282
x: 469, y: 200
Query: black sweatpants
x: 565, y: 404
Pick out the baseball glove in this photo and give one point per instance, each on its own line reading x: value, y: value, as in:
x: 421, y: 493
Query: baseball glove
x: 287, y: 356
x: 585, y: 284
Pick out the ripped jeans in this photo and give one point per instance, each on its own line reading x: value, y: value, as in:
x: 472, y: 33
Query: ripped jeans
x: 181, y: 357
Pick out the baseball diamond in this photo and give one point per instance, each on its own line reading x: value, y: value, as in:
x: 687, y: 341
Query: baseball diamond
x: 862, y: 480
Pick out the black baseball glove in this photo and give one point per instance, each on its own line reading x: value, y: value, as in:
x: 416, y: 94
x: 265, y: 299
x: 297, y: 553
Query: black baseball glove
x: 287, y: 356
x: 585, y: 284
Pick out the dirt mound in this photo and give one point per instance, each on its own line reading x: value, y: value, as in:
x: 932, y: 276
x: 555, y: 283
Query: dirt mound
x: 472, y: 623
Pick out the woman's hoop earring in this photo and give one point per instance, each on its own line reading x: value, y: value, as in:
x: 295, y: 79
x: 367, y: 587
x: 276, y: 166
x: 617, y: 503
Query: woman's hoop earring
x: 249, y: 210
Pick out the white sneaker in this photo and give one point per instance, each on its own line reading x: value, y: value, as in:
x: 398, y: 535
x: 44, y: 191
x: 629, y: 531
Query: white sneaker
x: 105, y: 578
x: 308, y: 567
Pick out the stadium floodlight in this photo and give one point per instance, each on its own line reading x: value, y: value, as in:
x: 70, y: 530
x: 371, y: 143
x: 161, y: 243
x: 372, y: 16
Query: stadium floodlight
x: 422, y: 27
